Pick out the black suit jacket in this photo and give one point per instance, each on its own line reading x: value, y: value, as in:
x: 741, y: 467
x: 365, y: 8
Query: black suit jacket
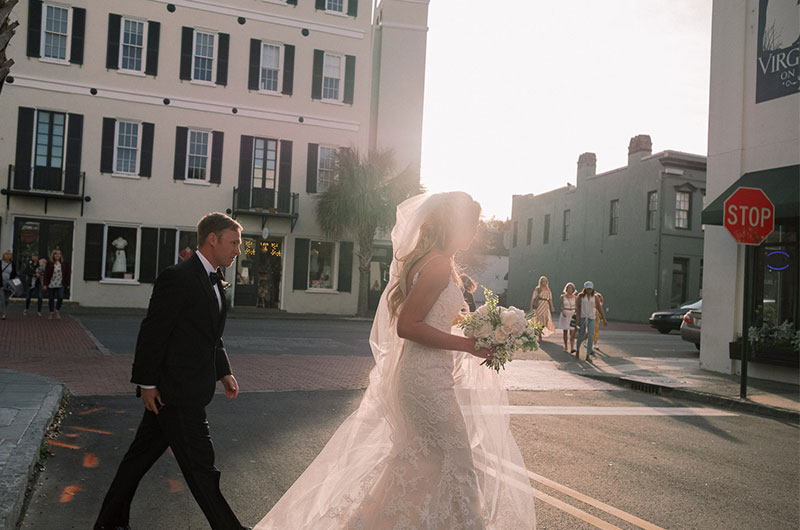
x: 179, y: 348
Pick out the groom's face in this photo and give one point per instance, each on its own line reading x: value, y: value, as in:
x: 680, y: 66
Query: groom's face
x: 226, y: 246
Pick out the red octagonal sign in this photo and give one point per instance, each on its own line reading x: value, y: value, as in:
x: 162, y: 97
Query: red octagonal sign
x: 749, y: 216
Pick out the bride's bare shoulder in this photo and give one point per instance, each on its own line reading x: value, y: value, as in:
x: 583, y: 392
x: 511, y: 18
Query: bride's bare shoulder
x: 432, y: 270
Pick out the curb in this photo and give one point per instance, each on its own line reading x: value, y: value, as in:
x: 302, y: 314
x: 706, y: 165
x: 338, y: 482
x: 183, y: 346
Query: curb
x: 16, y: 475
x: 703, y: 397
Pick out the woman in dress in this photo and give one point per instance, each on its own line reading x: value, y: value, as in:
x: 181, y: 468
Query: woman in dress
x: 542, y: 305
x: 429, y: 447
x: 565, y: 318
x: 56, y: 281
x: 469, y: 286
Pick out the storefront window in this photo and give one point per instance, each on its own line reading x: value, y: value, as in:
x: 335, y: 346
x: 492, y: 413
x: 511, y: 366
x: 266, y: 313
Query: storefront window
x: 187, y: 244
x: 121, y: 248
x: 776, y: 282
x: 320, y: 266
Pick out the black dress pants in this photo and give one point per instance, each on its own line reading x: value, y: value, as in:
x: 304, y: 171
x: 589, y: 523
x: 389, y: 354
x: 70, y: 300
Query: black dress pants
x: 185, y: 429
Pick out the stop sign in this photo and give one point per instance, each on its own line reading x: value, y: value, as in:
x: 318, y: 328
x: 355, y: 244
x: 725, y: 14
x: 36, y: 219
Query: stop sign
x: 749, y: 216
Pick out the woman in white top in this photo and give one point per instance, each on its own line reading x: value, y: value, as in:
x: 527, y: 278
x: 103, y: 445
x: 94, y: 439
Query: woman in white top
x: 565, y: 318
x: 587, y: 307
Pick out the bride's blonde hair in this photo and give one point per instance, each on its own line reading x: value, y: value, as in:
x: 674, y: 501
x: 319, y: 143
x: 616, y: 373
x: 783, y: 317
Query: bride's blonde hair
x: 437, y: 231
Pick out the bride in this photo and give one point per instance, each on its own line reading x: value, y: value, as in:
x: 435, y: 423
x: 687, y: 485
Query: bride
x: 429, y: 446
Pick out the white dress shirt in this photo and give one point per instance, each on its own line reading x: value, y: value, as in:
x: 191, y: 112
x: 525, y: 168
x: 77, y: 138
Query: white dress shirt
x: 209, y: 269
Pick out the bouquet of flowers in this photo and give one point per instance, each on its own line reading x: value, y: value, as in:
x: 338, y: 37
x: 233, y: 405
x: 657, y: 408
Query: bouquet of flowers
x: 507, y: 329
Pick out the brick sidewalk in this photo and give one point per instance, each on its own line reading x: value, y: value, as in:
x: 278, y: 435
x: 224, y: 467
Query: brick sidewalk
x: 23, y: 336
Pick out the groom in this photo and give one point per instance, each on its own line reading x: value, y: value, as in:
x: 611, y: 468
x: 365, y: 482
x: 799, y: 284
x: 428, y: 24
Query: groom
x: 179, y: 358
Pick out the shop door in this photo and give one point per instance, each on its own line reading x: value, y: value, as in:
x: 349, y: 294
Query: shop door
x: 258, y: 273
x: 41, y: 236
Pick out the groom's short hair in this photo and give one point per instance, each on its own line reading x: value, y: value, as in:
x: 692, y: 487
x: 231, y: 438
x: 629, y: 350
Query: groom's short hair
x: 216, y: 223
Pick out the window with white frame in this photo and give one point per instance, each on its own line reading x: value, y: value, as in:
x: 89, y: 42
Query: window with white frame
x: 186, y: 243
x: 327, y: 167
x: 652, y: 209
x: 265, y: 159
x: 132, y: 45
x: 55, y: 29
x: 197, y: 155
x: 203, y: 57
x: 332, y: 77
x: 126, y: 149
x: 270, y: 67
x: 321, y: 265
x: 336, y: 6
x: 121, y: 247
x: 682, y: 207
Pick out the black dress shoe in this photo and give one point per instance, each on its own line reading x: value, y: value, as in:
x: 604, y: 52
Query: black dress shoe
x: 105, y: 527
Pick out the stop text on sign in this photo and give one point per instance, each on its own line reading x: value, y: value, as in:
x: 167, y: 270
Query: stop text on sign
x: 739, y: 214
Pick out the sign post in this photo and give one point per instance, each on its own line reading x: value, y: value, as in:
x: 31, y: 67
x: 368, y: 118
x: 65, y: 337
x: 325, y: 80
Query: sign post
x: 750, y: 218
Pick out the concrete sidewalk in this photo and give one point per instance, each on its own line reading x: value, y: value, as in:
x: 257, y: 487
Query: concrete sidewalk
x: 28, y: 405
x: 683, y: 378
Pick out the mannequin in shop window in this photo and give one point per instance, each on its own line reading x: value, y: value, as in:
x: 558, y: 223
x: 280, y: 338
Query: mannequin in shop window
x: 120, y: 264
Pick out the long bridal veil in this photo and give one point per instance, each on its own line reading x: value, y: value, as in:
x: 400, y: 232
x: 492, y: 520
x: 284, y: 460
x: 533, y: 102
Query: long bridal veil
x: 332, y: 489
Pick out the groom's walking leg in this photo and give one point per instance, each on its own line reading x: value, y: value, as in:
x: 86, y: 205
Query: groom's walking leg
x: 148, y: 445
x: 187, y: 430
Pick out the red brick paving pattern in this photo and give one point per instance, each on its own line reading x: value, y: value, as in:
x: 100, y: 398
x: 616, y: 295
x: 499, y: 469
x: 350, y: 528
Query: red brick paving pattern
x: 62, y: 351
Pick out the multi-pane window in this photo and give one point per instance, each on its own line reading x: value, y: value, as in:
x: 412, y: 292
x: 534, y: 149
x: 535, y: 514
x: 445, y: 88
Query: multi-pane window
x: 321, y: 261
x: 613, y: 222
x: 565, y: 230
x: 514, y: 230
x: 652, y: 209
x: 265, y: 157
x: 197, y: 163
x: 50, y: 139
x: 132, y: 45
x: 127, y: 148
x: 121, y: 244
x: 334, y: 5
x: 332, y: 77
x: 56, y: 32
x: 530, y: 231
x: 270, y: 67
x: 327, y: 167
x: 203, y: 59
x: 682, y: 206
x: 546, y: 237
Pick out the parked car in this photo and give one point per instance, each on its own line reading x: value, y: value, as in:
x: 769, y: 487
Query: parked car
x: 669, y: 319
x: 690, y: 327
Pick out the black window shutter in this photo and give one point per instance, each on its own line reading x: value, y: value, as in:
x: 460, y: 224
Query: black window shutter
x: 288, y: 69
x: 301, y: 248
x: 72, y: 164
x: 222, y: 60
x: 22, y: 163
x: 112, y: 47
x: 254, y: 71
x: 352, y: 8
x: 187, y: 40
x: 153, y: 39
x: 107, y: 146
x: 93, y: 253
x: 316, y: 78
x: 166, y: 248
x: 146, y: 159
x: 311, y: 168
x: 345, y: 266
x: 349, y: 78
x: 78, y: 35
x: 320, y: 4
x: 217, y: 141
x: 245, y: 172
x: 34, y: 27
x: 148, y: 255
x: 181, y: 137
x: 285, y: 177
x: 291, y: 2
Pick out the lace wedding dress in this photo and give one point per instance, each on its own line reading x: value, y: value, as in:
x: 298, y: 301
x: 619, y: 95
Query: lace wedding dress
x: 429, y: 447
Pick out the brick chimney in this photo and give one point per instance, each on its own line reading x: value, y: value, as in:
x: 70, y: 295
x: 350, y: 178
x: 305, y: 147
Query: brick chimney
x: 587, y: 166
x: 639, y: 147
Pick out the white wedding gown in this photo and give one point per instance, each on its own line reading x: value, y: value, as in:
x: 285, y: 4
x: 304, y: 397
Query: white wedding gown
x: 429, y: 447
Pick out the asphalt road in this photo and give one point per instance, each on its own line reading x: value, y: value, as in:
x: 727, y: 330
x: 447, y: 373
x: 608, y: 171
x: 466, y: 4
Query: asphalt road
x: 675, y: 472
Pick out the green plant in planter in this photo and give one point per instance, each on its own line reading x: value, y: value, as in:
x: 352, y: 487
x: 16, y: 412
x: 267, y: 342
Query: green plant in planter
x: 783, y: 335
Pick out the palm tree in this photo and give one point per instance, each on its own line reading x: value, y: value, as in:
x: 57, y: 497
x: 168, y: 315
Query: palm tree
x: 361, y: 201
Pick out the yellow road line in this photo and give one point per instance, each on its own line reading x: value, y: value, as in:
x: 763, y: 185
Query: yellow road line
x: 580, y: 514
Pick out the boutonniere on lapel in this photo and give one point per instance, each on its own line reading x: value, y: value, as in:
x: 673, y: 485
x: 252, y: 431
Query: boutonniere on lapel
x: 225, y: 286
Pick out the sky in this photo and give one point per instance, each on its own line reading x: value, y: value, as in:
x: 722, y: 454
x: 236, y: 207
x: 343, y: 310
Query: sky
x: 515, y: 90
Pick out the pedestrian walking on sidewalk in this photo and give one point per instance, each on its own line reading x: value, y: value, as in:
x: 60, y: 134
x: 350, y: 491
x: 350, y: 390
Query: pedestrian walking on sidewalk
x: 586, y: 310
x: 9, y: 272
x: 56, y: 281
x: 542, y: 305
x: 469, y: 286
x: 565, y: 318
x: 34, y: 275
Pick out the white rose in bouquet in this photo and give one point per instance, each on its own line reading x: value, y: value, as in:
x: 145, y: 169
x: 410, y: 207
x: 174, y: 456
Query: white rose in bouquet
x: 513, y: 320
x: 483, y: 330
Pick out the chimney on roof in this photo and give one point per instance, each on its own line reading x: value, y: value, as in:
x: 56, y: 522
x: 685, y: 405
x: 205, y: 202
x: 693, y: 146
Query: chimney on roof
x: 587, y: 166
x: 639, y: 147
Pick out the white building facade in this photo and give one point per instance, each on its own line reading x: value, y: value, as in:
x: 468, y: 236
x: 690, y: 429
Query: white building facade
x: 754, y: 141
x: 124, y: 122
